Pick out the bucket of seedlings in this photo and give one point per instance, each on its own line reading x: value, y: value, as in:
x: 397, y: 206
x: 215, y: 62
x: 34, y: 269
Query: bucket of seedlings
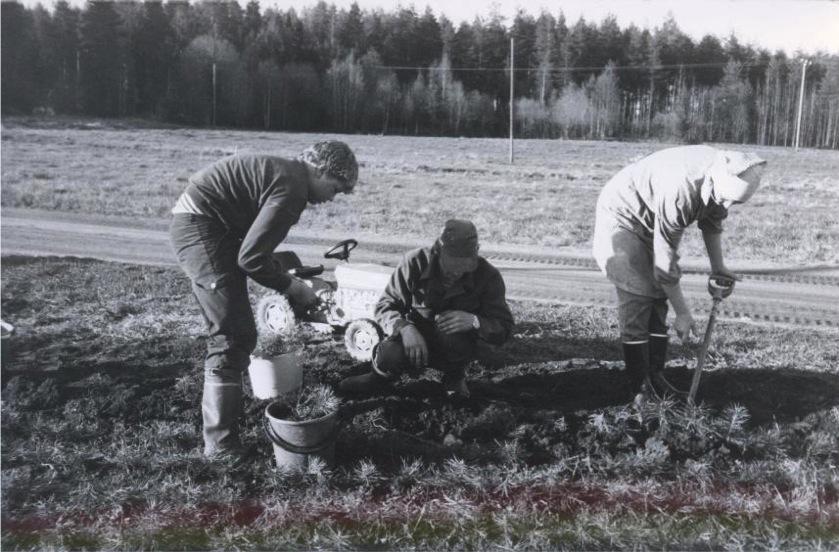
x: 302, y: 426
x: 276, y: 368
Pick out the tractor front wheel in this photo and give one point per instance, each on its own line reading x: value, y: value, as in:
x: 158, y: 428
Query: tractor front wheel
x: 361, y: 337
x: 274, y: 315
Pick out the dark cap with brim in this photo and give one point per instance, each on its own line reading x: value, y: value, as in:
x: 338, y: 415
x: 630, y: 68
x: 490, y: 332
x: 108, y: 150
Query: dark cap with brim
x: 459, y: 245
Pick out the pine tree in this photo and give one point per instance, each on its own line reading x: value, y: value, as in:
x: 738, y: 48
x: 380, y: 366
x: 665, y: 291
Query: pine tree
x: 154, y: 50
x: 732, y: 117
x: 709, y: 53
x: 19, y: 55
x: 252, y: 24
x: 101, y: 63
x: 524, y: 33
x: 350, y: 33
x: 66, y: 29
x: 46, y: 59
x: 320, y: 22
x: 544, y: 51
x: 428, y: 41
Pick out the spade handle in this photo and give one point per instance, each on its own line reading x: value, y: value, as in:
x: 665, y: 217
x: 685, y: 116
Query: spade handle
x: 703, y: 350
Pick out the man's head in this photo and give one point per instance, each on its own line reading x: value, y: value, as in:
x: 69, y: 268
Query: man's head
x: 458, y: 246
x: 736, y: 177
x: 332, y: 170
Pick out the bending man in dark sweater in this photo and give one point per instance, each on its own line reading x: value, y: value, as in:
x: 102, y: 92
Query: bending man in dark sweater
x: 226, y: 225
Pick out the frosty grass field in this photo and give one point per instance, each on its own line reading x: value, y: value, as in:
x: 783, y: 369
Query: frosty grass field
x: 101, y: 387
x: 408, y: 186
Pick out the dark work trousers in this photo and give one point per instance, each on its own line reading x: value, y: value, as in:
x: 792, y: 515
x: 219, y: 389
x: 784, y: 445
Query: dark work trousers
x: 641, y: 316
x: 208, y: 253
x: 449, y: 353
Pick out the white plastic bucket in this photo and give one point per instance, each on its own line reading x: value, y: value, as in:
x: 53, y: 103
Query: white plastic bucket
x: 276, y: 376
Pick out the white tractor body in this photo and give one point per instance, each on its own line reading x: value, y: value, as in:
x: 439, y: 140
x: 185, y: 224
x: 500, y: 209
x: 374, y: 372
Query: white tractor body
x: 348, y: 305
x: 359, y: 288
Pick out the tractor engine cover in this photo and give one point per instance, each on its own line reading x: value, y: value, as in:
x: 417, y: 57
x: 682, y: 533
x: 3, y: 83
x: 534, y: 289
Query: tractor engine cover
x: 359, y: 289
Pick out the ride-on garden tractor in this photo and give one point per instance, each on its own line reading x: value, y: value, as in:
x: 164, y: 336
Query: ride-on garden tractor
x: 347, y: 305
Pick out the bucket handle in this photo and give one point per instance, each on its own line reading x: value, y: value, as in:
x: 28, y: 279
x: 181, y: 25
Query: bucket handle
x: 275, y: 438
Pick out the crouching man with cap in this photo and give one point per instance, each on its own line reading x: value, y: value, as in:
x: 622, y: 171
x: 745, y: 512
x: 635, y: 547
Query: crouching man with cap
x: 642, y: 213
x: 438, y: 303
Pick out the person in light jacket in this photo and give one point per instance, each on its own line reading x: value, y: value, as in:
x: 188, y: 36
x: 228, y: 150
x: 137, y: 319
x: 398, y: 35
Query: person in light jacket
x: 642, y: 213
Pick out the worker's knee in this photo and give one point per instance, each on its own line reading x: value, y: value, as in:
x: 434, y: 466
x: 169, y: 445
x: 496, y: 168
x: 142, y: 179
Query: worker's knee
x: 635, y: 315
x: 658, y: 317
x: 389, y: 357
x: 229, y: 353
x: 456, y: 348
x: 634, y: 329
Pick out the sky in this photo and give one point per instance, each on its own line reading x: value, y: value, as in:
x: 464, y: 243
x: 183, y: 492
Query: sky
x: 791, y: 25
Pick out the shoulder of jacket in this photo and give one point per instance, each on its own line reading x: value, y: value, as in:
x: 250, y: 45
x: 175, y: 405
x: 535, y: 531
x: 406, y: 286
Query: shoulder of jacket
x: 487, y: 267
x: 290, y: 173
x: 417, y: 255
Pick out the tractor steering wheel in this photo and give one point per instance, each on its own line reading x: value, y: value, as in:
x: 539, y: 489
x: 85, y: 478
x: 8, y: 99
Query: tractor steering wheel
x: 344, y: 246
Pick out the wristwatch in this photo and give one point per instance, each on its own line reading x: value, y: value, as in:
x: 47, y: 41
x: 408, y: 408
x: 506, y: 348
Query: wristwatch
x: 476, y: 322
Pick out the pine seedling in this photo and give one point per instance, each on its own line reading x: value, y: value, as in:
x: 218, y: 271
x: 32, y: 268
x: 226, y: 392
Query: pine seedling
x: 367, y: 473
x: 269, y: 346
x: 318, y: 469
x: 313, y: 402
x: 738, y: 417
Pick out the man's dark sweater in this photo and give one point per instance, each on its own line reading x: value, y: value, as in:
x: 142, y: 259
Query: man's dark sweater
x: 258, y: 198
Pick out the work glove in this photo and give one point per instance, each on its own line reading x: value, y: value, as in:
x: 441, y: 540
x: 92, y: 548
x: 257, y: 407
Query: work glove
x: 415, y: 347
x: 300, y: 295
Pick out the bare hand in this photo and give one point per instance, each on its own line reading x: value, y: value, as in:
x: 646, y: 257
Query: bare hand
x: 685, y: 325
x: 415, y: 347
x: 723, y: 271
x: 454, y: 321
x: 300, y: 295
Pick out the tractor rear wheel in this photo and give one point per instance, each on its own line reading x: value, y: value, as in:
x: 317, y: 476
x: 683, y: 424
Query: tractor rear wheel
x: 361, y: 337
x: 274, y: 315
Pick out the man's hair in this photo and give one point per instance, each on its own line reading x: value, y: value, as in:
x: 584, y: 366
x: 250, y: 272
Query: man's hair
x: 332, y: 158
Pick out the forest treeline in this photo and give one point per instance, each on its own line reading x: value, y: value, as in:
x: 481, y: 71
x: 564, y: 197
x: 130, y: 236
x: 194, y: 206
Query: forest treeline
x: 407, y: 72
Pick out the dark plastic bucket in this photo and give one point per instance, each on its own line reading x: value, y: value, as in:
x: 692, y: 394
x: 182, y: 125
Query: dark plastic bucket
x: 296, y: 443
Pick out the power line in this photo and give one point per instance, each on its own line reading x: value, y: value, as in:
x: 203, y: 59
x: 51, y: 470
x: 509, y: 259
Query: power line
x: 571, y: 69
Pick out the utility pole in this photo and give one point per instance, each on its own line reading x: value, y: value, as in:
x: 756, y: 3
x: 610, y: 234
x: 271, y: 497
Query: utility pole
x: 512, y: 91
x: 214, y: 94
x: 804, y: 64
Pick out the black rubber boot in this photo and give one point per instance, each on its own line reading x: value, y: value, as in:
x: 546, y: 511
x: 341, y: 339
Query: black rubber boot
x: 221, y: 408
x: 364, y: 384
x: 636, y: 358
x: 658, y: 357
x: 454, y: 382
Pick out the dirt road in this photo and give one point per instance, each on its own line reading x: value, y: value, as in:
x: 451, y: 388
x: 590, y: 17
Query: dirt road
x: 801, y: 297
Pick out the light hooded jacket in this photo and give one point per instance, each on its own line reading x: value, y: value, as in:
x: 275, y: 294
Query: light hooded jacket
x: 643, y: 211
x: 416, y: 291
x: 258, y: 198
